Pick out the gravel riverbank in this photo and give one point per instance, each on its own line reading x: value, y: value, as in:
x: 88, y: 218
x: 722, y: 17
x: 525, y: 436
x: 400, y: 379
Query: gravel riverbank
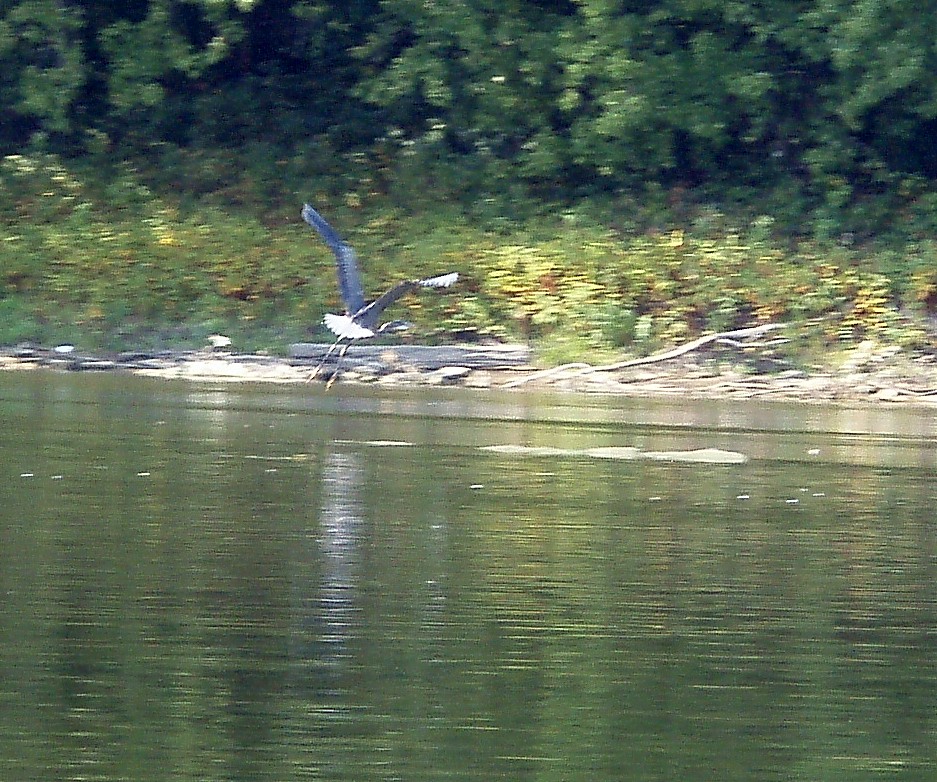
x: 868, y: 375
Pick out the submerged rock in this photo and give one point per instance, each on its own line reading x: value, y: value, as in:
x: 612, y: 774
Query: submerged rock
x: 625, y: 453
x: 701, y: 455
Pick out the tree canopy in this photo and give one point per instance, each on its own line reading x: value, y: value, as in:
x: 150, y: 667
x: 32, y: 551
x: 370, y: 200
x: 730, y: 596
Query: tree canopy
x: 824, y: 105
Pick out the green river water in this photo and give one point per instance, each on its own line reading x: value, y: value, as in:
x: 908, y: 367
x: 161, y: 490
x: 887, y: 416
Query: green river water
x: 237, y: 582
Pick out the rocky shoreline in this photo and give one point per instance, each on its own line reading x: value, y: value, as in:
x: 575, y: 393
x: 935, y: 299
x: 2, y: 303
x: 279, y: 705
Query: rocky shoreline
x: 870, y: 374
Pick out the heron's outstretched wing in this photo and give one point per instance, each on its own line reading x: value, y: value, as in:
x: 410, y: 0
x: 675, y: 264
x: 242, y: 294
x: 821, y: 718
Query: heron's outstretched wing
x: 367, y: 316
x: 346, y: 261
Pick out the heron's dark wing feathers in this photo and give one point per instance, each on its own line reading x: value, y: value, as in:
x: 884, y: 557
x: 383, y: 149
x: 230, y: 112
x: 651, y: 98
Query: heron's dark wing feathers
x: 328, y: 234
x: 346, y: 261
x: 368, y: 315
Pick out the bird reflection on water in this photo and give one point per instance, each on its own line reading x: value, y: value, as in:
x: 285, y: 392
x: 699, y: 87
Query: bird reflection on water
x: 339, y: 542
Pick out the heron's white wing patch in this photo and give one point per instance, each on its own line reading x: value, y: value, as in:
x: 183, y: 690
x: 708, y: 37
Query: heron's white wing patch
x: 344, y: 327
x: 443, y: 281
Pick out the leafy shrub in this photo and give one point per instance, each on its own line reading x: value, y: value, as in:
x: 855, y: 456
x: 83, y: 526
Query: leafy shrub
x: 107, y: 257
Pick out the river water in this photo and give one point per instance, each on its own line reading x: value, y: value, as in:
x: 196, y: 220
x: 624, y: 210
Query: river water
x: 235, y: 582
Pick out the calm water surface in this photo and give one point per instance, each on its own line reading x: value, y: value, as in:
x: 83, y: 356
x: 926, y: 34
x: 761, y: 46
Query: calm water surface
x: 208, y: 582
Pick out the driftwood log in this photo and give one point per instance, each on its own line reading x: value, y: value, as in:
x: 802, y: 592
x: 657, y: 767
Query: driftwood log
x: 366, y: 359
x: 424, y: 358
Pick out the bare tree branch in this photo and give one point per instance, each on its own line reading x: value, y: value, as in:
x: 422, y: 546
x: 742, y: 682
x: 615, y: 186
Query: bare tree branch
x: 585, y: 369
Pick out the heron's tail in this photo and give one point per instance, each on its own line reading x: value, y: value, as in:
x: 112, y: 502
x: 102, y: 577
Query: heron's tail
x: 344, y: 327
x: 443, y: 281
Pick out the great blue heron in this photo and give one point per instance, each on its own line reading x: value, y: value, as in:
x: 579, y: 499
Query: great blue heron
x: 360, y: 320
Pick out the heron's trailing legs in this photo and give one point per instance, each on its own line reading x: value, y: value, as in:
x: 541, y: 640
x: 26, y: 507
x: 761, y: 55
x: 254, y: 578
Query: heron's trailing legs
x: 315, y: 373
x: 341, y: 355
x: 338, y: 365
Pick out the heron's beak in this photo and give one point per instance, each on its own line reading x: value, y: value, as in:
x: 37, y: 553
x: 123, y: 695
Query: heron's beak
x: 394, y: 325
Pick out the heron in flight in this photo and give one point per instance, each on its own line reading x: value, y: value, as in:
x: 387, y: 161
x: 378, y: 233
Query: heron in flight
x: 360, y: 320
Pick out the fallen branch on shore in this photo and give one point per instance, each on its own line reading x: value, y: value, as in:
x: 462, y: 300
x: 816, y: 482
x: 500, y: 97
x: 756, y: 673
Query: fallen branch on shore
x: 568, y: 371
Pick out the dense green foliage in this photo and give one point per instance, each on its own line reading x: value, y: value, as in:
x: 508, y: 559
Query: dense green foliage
x: 574, y: 158
x: 128, y: 267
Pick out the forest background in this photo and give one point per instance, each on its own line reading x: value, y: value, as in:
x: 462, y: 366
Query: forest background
x: 607, y: 176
